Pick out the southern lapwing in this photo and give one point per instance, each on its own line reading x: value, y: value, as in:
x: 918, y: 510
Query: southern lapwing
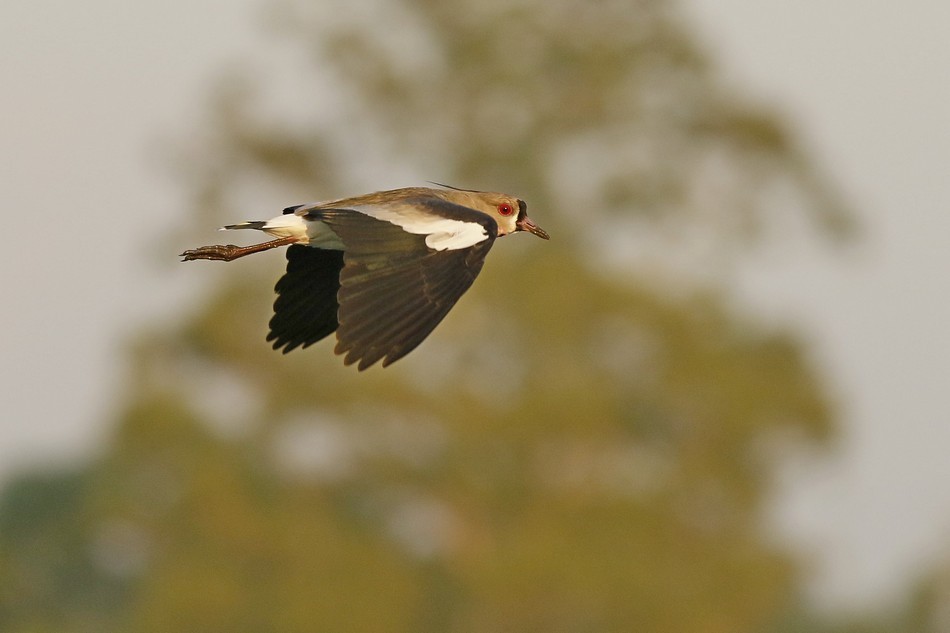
x: 381, y: 270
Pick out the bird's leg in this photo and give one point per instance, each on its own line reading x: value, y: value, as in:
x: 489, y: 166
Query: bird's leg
x: 228, y: 252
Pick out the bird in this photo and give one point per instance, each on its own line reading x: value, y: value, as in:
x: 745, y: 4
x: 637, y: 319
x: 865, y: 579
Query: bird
x: 381, y: 270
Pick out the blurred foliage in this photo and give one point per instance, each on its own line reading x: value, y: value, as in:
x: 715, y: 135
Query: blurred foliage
x: 577, y: 448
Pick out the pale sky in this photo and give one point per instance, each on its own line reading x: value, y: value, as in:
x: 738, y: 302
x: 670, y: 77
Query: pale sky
x: 868, y: 86
x: 91, y: 90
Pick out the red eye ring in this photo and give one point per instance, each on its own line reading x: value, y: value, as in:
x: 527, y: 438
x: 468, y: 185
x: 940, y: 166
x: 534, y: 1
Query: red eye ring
x: 505, y: 209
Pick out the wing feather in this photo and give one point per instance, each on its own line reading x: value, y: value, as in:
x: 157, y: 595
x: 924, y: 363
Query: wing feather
x: 305, y: 310
x: 394, y: 288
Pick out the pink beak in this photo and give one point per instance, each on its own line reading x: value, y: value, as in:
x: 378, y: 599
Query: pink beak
x: 526, y: 224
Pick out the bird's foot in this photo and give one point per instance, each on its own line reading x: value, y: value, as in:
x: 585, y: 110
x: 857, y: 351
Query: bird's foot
x: 217, y: 252
x: 228, y: 252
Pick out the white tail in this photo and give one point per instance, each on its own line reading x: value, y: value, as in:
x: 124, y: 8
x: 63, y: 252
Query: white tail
x: 282, y: 226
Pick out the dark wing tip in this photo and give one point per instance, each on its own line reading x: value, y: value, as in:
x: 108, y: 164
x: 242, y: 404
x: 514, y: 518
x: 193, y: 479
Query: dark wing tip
x: 305, y: 310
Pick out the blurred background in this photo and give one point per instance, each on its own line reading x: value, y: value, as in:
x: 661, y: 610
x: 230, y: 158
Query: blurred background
x: 714, y: 401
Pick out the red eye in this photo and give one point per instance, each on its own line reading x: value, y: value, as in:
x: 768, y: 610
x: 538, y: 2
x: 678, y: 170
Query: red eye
x: 505, y: 209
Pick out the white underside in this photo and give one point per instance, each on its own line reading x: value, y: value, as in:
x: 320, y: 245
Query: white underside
x: 315, y: 234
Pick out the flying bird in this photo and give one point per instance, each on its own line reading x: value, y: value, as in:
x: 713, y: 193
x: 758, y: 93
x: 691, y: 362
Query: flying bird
x: 381, y: 270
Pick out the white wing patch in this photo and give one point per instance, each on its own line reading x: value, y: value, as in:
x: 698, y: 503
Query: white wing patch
x: 441, y: 233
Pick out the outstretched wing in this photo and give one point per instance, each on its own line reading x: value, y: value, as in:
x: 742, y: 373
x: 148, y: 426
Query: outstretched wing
x: 395, y: 286
x: 305, y: 310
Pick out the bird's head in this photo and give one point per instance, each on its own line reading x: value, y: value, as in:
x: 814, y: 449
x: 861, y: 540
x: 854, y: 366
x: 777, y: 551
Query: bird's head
x: 510, y: 213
